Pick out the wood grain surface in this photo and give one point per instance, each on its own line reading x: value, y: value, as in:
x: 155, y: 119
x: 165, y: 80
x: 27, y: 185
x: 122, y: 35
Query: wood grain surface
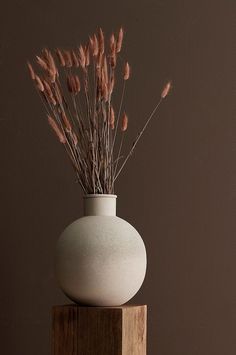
x: 80, y: 330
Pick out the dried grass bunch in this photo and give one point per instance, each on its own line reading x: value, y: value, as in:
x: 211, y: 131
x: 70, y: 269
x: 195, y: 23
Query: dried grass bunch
x: 76, y: 88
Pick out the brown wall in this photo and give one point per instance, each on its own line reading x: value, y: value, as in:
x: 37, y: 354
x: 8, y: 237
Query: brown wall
x: 178, y: 189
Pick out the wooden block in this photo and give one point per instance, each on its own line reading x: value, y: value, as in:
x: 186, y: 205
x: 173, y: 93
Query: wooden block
x: 79, y: 330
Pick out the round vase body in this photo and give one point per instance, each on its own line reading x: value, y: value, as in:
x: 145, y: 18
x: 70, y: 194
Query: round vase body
x: 100, y: 258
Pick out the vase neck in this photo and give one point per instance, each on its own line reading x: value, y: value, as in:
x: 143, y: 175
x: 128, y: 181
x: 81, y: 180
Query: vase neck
x: 100, y: 205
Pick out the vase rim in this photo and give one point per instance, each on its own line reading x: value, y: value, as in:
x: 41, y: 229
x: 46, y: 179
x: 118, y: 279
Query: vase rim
x: 100, y: 195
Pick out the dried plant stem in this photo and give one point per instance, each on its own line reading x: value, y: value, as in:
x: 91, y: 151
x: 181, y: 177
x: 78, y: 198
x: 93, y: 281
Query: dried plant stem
x: 138, y: 138
x: 119, y: 153
x: 118, y: 117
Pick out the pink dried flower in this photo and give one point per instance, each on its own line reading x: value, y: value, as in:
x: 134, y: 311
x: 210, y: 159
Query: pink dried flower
x: 166, y: 89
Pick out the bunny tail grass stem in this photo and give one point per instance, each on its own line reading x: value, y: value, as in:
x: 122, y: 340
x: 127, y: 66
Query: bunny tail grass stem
x: 118, y: 155
x: 118, y: 117
x: 138, y: 138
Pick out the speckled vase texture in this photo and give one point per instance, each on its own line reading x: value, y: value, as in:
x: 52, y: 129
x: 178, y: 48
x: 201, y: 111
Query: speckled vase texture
x: 100, y: 258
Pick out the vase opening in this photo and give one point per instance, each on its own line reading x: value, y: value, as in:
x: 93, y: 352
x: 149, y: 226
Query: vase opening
x: 100, y: 205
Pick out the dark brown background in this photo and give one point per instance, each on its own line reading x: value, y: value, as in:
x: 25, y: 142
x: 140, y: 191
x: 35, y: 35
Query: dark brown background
x: 178, y: 189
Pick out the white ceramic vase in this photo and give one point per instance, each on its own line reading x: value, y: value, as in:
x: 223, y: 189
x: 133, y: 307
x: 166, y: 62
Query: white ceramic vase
x: 100, y: 258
